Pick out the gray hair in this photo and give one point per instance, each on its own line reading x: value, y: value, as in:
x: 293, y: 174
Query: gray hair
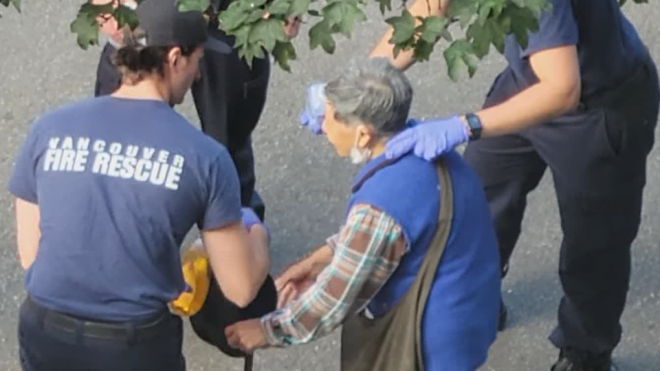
x: 374, y: 92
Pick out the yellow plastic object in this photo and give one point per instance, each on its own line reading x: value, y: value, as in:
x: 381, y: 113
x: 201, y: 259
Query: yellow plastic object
x: 195, y: 266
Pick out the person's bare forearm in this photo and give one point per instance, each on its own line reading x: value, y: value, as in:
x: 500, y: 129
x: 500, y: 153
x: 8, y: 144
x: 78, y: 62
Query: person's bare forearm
x: 419, y: 8
x: 557, y: 92
x: 259, y: 239
x: 536, y: 104
x: 316, y: 259
x: 320, y: 258
x: 28, y: 232
x: 239, y: 260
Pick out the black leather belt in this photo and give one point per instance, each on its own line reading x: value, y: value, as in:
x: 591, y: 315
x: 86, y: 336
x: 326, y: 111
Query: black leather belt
x: 107, y: 330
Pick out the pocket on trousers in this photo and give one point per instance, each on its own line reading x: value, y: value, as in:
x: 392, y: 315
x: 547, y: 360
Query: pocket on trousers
x: 614, y: 132
x: 28, y: 356
x: 254, y: 100
x: 256, y: 88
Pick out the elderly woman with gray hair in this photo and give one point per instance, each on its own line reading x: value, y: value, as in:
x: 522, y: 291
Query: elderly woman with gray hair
x: 413, y: 274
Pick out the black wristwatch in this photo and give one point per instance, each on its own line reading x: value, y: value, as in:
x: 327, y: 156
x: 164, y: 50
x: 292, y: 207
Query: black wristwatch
x: 475, y: 126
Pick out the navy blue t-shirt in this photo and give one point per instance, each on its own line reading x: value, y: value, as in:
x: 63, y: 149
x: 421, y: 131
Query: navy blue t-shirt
x: 119, y: 184
x: 609, y: 48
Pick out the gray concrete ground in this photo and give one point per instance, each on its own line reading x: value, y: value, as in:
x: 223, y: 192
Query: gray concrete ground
x: 305, y: 186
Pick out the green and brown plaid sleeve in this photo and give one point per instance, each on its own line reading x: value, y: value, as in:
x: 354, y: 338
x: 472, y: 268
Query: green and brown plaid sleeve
x: 367, y: 250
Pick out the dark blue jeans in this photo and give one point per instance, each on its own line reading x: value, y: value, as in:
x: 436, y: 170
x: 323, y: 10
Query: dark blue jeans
x: 597, y: 156
x: 52, y: 344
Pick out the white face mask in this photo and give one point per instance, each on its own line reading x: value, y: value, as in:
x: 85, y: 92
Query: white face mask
x: 359, y: 155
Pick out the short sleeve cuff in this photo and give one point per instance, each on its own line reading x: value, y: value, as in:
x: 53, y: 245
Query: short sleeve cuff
x: 22, y: 193
x: 208, y: 224
x: 557, y: 28
x: 532, y: 48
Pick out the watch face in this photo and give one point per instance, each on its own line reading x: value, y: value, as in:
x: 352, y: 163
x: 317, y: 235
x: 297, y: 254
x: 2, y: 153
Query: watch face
x: 475, y: 126
x: 473, y: 121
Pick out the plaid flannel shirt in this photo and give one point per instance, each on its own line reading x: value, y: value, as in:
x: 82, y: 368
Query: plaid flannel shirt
x: 367, y: 250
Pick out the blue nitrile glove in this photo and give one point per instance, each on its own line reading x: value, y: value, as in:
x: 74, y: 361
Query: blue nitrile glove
x: 250, y: 218
x: 428, y: 138
x: 312, y: 115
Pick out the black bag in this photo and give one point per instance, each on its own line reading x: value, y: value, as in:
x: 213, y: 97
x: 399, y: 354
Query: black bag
x: 217, y: 313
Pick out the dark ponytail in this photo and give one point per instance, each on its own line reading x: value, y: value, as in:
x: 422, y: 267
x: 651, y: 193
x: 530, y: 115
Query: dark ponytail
x: 135, y: 61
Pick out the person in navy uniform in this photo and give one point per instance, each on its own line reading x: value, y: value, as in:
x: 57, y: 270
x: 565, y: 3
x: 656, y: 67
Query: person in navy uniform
x: 581, y: 100
x: 229, y: 97
x: 106, y: 191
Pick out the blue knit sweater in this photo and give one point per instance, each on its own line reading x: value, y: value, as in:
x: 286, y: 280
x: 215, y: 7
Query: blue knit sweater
x: 460, y: 318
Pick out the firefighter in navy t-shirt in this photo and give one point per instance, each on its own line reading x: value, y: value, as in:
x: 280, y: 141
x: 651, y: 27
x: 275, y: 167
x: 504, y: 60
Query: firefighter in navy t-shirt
x: 106, y: 190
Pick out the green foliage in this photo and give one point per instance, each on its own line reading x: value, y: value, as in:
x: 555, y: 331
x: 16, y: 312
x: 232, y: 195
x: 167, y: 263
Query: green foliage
x: 258, y: 26
x: 482, y: 23
x: 86, y: 26
x: 15, y: 3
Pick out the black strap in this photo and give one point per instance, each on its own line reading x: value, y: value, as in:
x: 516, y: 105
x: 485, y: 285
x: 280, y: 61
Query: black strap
x: 248, y: 363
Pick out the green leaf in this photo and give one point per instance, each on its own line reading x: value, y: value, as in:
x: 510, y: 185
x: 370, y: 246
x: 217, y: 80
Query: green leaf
x: 471, y: 64
x: 251, y: 51
x: 332, y: 13
x: 279, y: 7
x: 87, y: 30
x: 342, y: 16
x: 255, y: 16
x: 283, y: 53
x: 85, y: 25
x: 432, y: 28
x: 464, y: 10
x: 198, y: 5
x: 95, y: 10
x: 299, y: 7
x: 457, y: 55
x: 384, y: 5
x: 267, y: 32
x: 234, y: 16
x: 254, y: 3
x: 491, y: 32
x: 15, y: 3
x: 320, y: 34
x: 403, y: 27
x: 242, y: 35
x: 423, y: 50
x: 125, y: 16
x: 521, y: 21
x: 538, y: 6
x: 490, y: 8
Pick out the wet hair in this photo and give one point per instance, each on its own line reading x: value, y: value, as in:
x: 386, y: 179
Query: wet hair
x: 135, y: 61
x: 372, y: 91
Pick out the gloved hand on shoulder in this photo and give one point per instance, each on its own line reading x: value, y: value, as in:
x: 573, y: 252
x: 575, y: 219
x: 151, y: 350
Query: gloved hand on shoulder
x: 429, y: 139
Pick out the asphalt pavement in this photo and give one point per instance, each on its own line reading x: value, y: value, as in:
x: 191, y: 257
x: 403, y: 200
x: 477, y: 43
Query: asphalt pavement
x: 305, y: 186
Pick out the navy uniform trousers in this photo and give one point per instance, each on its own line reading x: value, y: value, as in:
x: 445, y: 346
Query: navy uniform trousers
x: 52, y: 341
x: 597, y: 157
x: 229, y: 99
